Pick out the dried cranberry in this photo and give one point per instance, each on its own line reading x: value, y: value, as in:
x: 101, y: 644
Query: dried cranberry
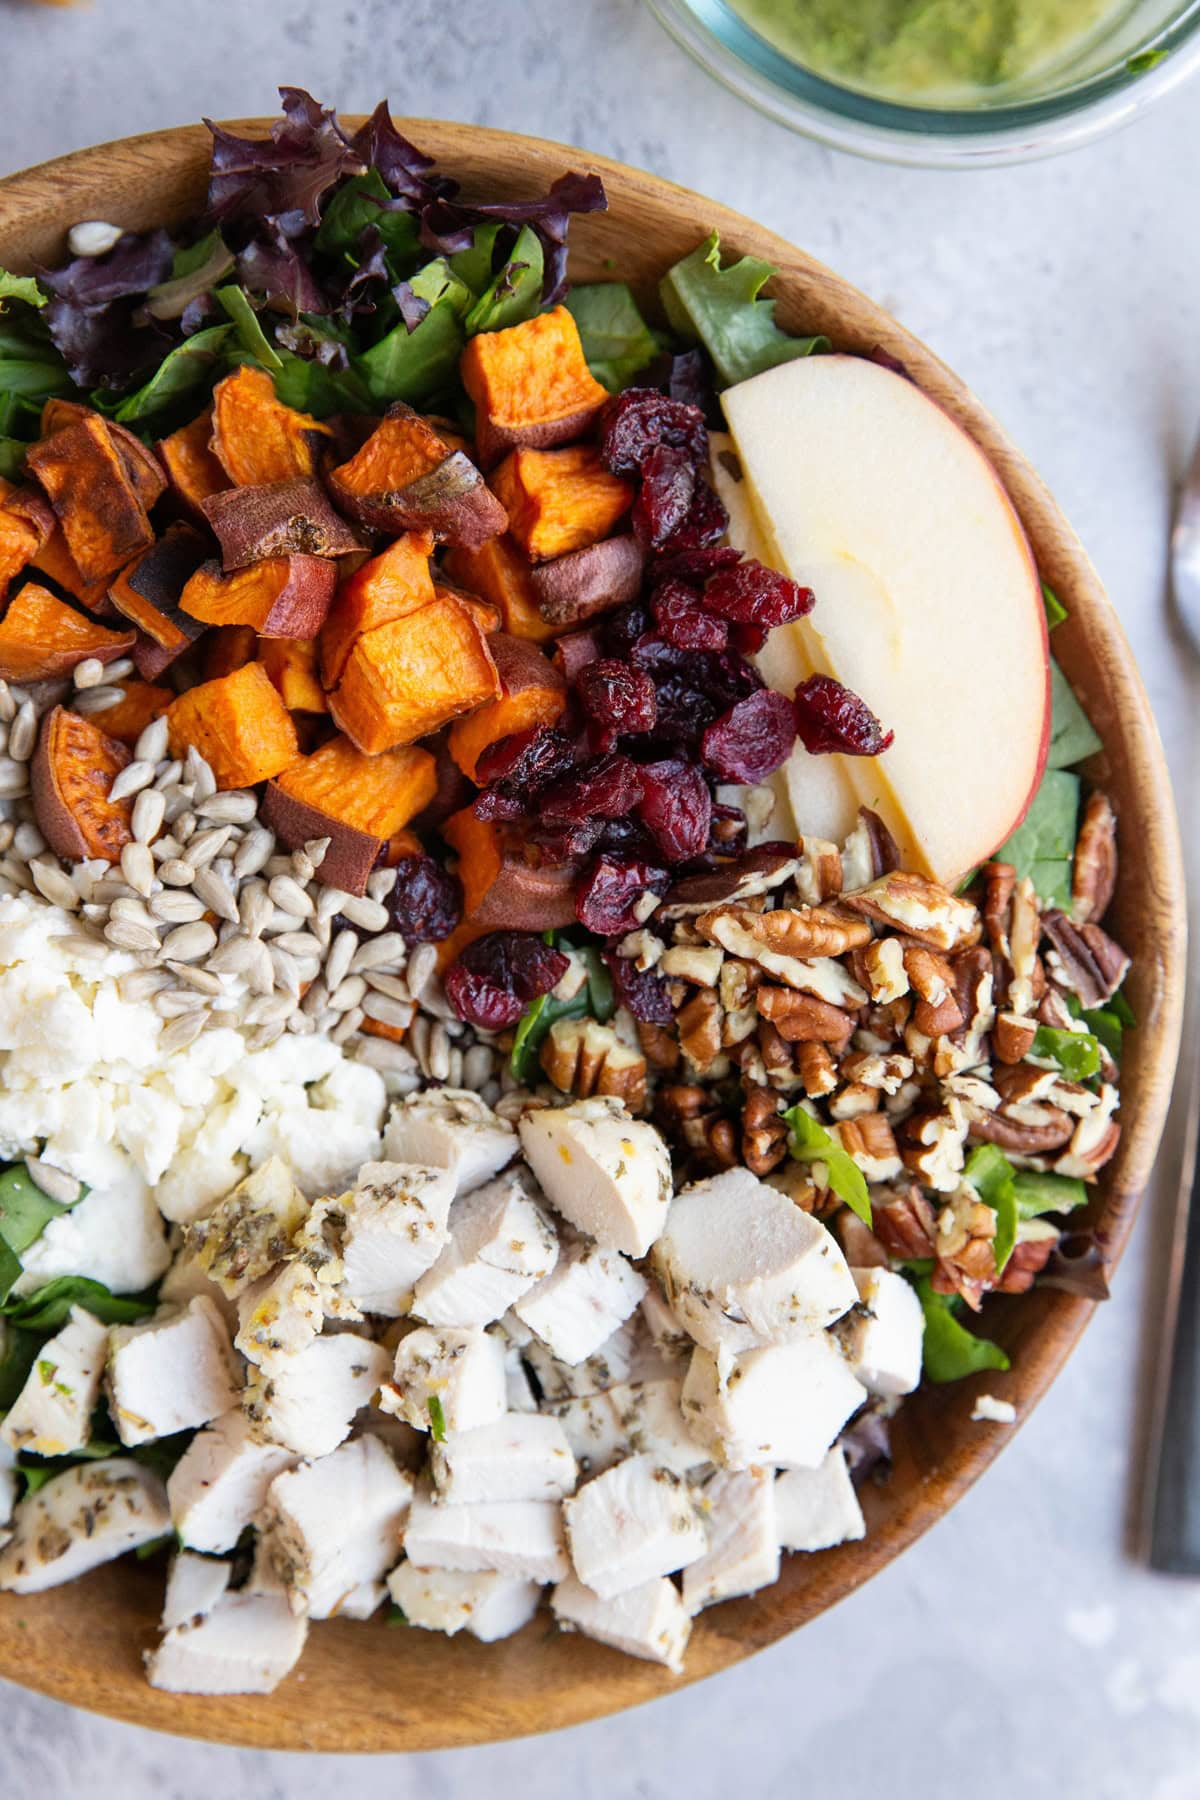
x: 704, y: 523
x: 606, y: 899
x: 830, y: 718
x: 633, y: 423
x: 641, y: 990
x: 539, y: 754
x: 726, y: 678
x: 729, y: 831
x: 683, y: 712
x: 427, y: 901
x: 665, y: 497
x: 502, y: 804
x: 690, y: 379
x: 749, y: 639
x: 497, y: 976
x: 695, y: 566
x: 604, y: 789
x: 629, y: 837
x: 566, y: 842
x: 622, y: 629
x: 752, y: 739
x: 682, y: 621
x: 676, y: 806
x: 754, y: 595
x: 618, y: 700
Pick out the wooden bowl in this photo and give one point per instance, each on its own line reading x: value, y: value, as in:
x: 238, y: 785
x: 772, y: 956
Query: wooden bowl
x: 363, y: 1687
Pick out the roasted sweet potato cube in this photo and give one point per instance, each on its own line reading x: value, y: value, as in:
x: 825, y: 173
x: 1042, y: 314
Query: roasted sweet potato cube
x: 405, y: 478
x: 285, y: 518
x: 193, y: 471
x: 501, y: 573
x: 238, y: 724
x: 581, y: 584
x: 148, y: 591
x: 141, y: 465
x: 140, y: 703
x: 400, y: 845
x: 73, y: 768
x: 502, y: 890
x: 256, y: 438
x: 54, y: 560
x: 405, y: 679
x: 531, y: 385
x: 285, y: 596
x: 226, y: 648
x: 41, y: 635
x: 356, y: 801
x: 292, y: 665
x: 27, y: 523
x: 97, y: 505
x: 532, y: 692
x: 559, y: 500
x: 485, y: 615
x: 385, y: 588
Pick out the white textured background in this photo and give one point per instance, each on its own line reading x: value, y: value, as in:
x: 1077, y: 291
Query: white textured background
x: 1017, y: 1650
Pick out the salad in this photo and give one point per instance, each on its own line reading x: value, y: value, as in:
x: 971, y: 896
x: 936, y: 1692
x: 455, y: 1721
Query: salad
x: 525, y: 1033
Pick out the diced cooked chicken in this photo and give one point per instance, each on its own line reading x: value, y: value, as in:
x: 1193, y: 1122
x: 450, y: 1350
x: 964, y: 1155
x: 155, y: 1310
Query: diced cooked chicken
x: 453, y: 1130
x: 664, y: 1324
x: 782, y: 1405
x: 333, y: 1526
x: 608, y: 1174
x: 501, y: 1243
x: 174, y: 1372
x: 186, y: 1280
x: 743, y: 1539
x: 635, y: 1521
x: 488, y: 1605
x: 364, y: 1601
x: 194, y: 1586
x: 743, y: 1266
x: 630, y: 1354
x: 588, y: 1294
x: 250, y: 1230
x: 80, y: 1519
x: 395, y: 1229
x: 634, y: 1419
x: 817, y: 1508
x: 882, y: 1336
x: 308, y: 1404
x: 280, y: 1315
x: 52, y: 1414
x: 519, y: 1396
x: 513, y: 1537
x: 246, y: 1644
x: 219, y: 1484
x: 521, y: 1457
x: 8, y: 1480
x: 460, y: 1369
x: 648, y: 1621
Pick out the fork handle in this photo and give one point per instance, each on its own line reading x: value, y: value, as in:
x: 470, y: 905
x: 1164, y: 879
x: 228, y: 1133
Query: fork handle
x: 1175, y: 1524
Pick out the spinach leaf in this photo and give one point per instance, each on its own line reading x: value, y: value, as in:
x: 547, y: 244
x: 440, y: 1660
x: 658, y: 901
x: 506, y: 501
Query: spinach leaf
x: 251, y: 335
x: 602, y: 999
x: 184, y: 375
x: 1043, y: 845
x: 48, y: 1307
x: 396, y: 1617
x: 33, y: 377
x: 594, y: 999
x: 475, y: 266
x: 808, y: 1141
x: 195, y: 272
x: 314, y: 388
x: 20, y: 287
x: 12, y: 458
x: 514, y: 294
x: 411, y: 365
x: 1077, y: 1053
x: 25, y: 1211
x: 950, y: 1351
x: 1107, y: 1030
x: 1071, y: 734
x: 10, y: 1269
x: 992, y: 1176
x: 1118, y: 1004
x: 38, y: 1470
x: 1056, y: 612
x: 617, y: 342
x: 1039, y: 1193
x: 721, y: 308
x: 349, y: 213
x: 437, y: 1420
x: 18, y: 1353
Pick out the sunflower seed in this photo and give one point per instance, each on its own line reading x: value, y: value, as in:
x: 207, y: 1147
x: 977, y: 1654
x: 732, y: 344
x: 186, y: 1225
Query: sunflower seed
x: 236, y: 807
x: 271, y: 1009
x: 187, y: 942
x: 98, y: 699
x: 22, y: 733
x: 418, y: 1037
x: 382, y: 1053
x: 57, y: 888
x: 176, y: 908
x: 131, y: 780
x: 120, y: 669
x: 477, y: 1067
x: 260, y: 976
x: 140, y: 984
x: 381, y: 883
x: 132, y: 909
x: 199, y: 773
x: 89, y: 673
x: 94, y: 237
x: 207, y: 844
x: 182, y: 1032
x: 8, y: 832
x: 8, y: 704
x: 314, y: 1001
x: 148, y: 812
x: 152, y: 741
x: 216, y: 894
x: 265, y: 1036
x: 12, y: 869
x: 56, y: 1184
x: 254, y: 851
x: 28, y: 840
x: 347, y: 1025
x: 137, y: 866
x: 290, y: 897
x: 14, y: 778
x: 234, y: 957
x: 255, y: 908
x: 75, y: 944
x: 438, y: 1052
x: 376, y: 952
x: 300, y: 1024
x: 223, y: 1018
x: 280, y: 864
x: 302, y: 867
x: 287, y: 975
x: 168, y: 776
x: 337, y: 962
x: 173, y: 1003
x: 350, y: 993
x: 176, y: 804
x: 391, y: 1012
x: 297, y: 943
x: 123, y: 934
x: 280, y: 922
x: 316, y: 850
x: 165, y: 847
x: 176, y: 872
x: 422, y: 964
x: 185, y: 823
x: 456, y: 1068
x: 329, y: 903
x: 394, y: 985
x: 369, y: 915
x: 202, y: 980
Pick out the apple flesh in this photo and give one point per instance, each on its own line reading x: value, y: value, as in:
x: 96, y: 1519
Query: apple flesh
x: 928, y: 602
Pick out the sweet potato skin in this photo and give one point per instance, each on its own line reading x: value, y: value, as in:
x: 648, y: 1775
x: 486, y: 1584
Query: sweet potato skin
x: 404, y: 680
x: 532, y: 692
x: 73, y: 768
x: 140, y: 463
x: 256, y: 438
x: 359, y: 802
x: 239, y: 725
x: 193, y: 472
x: 96, y: 503
x: 405, y: 478
x: 226, y: 648
x: 501, y: 891
x: 292, y: 665
x: 140, y: 703
x: 559, y: 500
x: 41, y: 636
x: 286, y: 518
x: 531, y: 386
x: 283, y: 597
x: 581, y: 584
x: 396, y: 582
x: 27, y: 522
x: 148, y: 591
x: 500, y: 573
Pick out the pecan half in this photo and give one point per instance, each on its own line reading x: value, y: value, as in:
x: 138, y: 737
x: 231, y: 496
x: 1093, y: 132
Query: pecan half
x: 880, y: 968
x: 1012, y: 1036
x: 905, y: 1226
x: 920, y: 908
x: 974, y: 982
x: 659, y: 1045
x: 1093, y: 966
x: 583, y: 1057
x: 1095, y: 873
x: 755, y: 872
x: 764, y: 1132
x: 1029, y: 1257
x: 932, y: 1146
x: 699, y: 1027
x: 816, y: 1069
x: 1025, y: 1137
x: 860, y: 1246
x: 803, y: 1019
x: 776, y: 1055
x: 802, y: 932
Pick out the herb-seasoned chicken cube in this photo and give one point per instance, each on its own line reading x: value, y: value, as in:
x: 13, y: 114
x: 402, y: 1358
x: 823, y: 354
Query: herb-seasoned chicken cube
x: 883, y: 1335
x: 743, y: 1540
x: 635, y: 1418
x: 501, y: 1244
x: 452, y: 1129
x: 194, y: 1585
x: 219, y: 1484
x: 308, y: 1404
x: 523, y: 1456
x: 250, y: 1230
x: 608, y: 1174
x: 635, y: 1521
x: 176, y: 1371
x: 51, y: 1416
x: 333, y: 1526
x: 649, y: 1621
x: 280, y: 1315
x: 488, y: 1605
x: 588, y: 1294
x: 447, y: 1378
x: 245, y: 1644
x: 395, y: 1229
x: 81, y: 1518
x: 782, y: 1405
x: 817, y: 1508
x: 513, y: 1537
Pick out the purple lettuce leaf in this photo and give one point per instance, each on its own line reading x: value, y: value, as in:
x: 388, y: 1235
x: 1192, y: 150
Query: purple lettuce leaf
x: 283, y: 177
x: 276, y: 267
x: 93, y: 317
x: 549, y: 215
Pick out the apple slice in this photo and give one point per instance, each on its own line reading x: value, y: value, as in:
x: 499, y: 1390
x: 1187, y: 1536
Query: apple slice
x: 928, y: 601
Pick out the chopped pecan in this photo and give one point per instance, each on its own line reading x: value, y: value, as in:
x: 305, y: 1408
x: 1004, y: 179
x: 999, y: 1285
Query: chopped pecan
x: 880, y: 968
x: 1029, y: 1257
x: 816, y: 1069
x: 699, y: 964
x: 920, y: 908
x: 937, y: 1011
x: 887, y: 1070
x: 764, y: 1132
x: 676, y: 1104
x: 1095, y: 873
x: 1052, y: 1009
x: 932, y: 1146
x: 999, y: 880
x: 1023, y: 1084
x: 794, y: 1180
x: 583, y: 1057
x: 1094, y: 1140
x: 803, y: 932
x: 803, y: 1019
x: 1027, y: 1136
x: 870, y: 1141
x: 776, y: 1055
x: 974, y: 983
x: 722, y: 1139
x: 860, y: 1246
x: 737, y: 983
x: 1093, y: 966
x: 699, y: 1027
x: 755, y: 872
x: 905, y: 1225
x: 820, y: 874
x: 853, y: 1100
x: 1024, y: 930
x: 659, y: 1045
x: 1012, y: 1036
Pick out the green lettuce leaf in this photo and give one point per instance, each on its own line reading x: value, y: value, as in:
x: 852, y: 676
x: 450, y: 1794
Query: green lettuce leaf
x: 10, y: 1269
x: 950, y: 1351
x: 721, y: 308
x: 992, y: 1176
x: 33, y: 378
x: 12, y: 458
x: 251, y: 335
x: 1056, y: 612
x: 1043, y: 845
x: 1072, y: 737
x: 437, y: 1420
x: 617, y: 342
x: 18, y: 1353
x: 181, y: 379
x: 49, y: 1307
x: 412, y: 365
x: 25, y: 1211
x: 809, y: 1141
x: 1038, y: 1193
x: 514, y: 294
x: 20, y: 287
x: 1077, y: 1053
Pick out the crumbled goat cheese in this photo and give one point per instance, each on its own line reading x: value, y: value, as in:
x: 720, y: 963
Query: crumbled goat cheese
x: 501, y: 1244
x: 635, y: 1521
x: 987, y: 1409
x: 781, y: 1405
x: 513, y: 1537
x: 488, y: 1605
x: 51, y: 1416
x: 84, y: 1517
x: 521, y: 1457
x: 453, y: 1130
x: 333, y: 1526
x: 818, y: 1508
x: 395, y: 1227
x: 608, y: 1175
x: 582, y: 1301
x: 633, y: 1418
x: 308, y: 1404
x: 649, y: 1621
x: 245, y: 1644
x: 461, y: 1368
x: 743, y: 1541
x: 176, y: 1371
x: 219, y: 1484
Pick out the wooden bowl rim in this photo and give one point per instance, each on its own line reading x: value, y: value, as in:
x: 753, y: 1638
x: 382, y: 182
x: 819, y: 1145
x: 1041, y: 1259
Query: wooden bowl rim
x: 106, y: 1678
